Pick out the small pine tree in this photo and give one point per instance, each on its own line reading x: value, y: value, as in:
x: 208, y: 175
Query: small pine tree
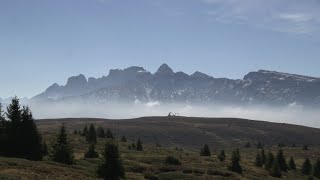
x: 269, y: 161
x: 139, y: 145
x: 305, y: 147
x: 282, y: 161
x: 263, y: 157
x: 316, y: 169
x: 3, y: 132
x: 170, y: 160
x: 123, y: 139
x: 30, y: 136
x: 91, y: 153
x: 258, y: 161
x: 61, y: 150
x: 275, y: 170
x: 14, y: 134
x: 247, y: 145
x: 101, y: 133
x: 205, y: 151
x: 85, y: 131
x: 259, y: 145
x: 14, y: 111
x: 91, y: 136
x: 112, y: 167
x: 75, y: 132
x: 238, y: 153
x: 45, y: 148
x: 109, y: 134
x: 292, y: 164
x: 222, y: 156
x: 306, y: 167
x: 235, y: 162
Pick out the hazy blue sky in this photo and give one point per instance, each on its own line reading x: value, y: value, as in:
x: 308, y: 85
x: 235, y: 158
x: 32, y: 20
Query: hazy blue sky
x: 47, y: 41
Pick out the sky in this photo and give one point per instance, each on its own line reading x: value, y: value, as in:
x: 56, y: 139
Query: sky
x: 46, y: 41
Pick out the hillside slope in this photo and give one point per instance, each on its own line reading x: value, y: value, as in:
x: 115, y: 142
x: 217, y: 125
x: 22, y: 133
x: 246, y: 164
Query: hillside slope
x: 193, y: 132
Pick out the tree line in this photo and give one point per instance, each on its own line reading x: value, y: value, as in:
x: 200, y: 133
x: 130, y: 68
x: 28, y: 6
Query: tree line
x: 274, y: 164
x: 19, y: 136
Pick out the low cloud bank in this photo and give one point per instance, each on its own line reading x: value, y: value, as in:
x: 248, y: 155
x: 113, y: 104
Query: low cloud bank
x: 291, y: 114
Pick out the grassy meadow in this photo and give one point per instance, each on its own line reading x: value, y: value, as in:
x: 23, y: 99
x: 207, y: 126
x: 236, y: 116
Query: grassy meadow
x: 149, y: 163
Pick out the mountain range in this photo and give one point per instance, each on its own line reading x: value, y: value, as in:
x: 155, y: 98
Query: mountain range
x: 135, y: 84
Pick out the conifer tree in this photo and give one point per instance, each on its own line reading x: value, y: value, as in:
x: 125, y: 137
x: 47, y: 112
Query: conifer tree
x: 259, y: 145
x: 3, y: 131
x: 235, y: 162
x: 139, y: 145
x: 263, y: 157
x: 282, y: 161
x: 61, y: 150
x: 19, y: 135
x: 247, y: 145
x: 222, y: 156
x: 30, y: 137
x: 109, y: 134
x: 85, y: 131
x: 316, y: 169
x: 258, y: 161
x: 269, y: 161
x: 275, y: 170
x: 112, y: 167
x: 171, y: 160
x: 45, y: 148
x: 91, y: 153
x: 305, y: 147
x: 205, y: 151
x: 100, y: 132
x: 306, y: 167
x: 238, y: 153
x: 123, y: 139
x: 92, y: 135
x: 75, y: 132
x: 13, y: 113
x: 292, y: 164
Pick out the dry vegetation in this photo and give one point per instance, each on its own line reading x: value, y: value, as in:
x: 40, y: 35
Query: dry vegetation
x: 186, y: 133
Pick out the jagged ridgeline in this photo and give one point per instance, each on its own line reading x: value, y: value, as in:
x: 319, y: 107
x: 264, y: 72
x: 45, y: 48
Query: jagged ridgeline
x: 137, y: 84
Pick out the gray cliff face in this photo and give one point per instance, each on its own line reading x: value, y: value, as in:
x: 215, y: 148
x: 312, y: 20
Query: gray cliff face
x: 137, y: 84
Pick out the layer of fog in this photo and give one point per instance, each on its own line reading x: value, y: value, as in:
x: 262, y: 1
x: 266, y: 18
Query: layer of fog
x: 291, y: 114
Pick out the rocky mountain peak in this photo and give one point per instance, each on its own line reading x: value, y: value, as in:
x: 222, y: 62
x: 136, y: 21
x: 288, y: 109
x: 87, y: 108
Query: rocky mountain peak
x: 53, y: 87
x: 164, y: 69
x: 200, y: 75
x: 135, y: 69
x: 77, y: 80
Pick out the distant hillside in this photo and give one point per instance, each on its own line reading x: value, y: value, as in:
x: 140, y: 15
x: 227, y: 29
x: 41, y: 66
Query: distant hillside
x: 193, y: 132
x: 137, y: 84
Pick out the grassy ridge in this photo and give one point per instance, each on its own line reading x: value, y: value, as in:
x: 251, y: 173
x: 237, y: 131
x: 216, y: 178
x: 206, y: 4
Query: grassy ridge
x: 150, y: 162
